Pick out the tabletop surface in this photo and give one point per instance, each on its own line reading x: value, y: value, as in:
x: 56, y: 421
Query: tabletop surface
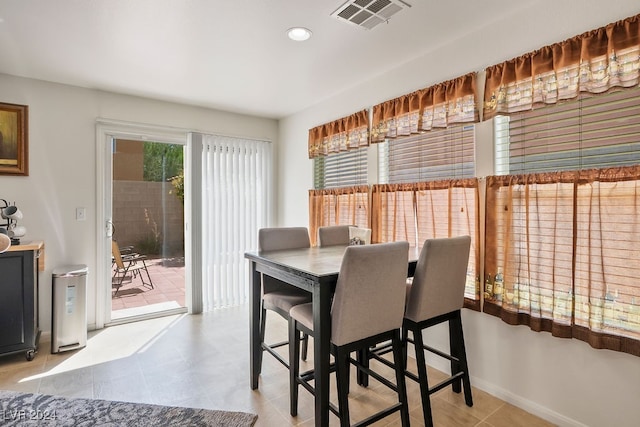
x: 315, y: 261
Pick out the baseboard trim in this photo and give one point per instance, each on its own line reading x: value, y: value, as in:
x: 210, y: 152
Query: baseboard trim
x: 514, y: 399
x: 526, y: 404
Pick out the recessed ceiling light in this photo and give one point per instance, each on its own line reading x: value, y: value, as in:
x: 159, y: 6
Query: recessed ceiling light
x: 298, y: 34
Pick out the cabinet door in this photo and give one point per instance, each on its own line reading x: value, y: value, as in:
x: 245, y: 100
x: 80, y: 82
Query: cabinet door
x: 17, y: 310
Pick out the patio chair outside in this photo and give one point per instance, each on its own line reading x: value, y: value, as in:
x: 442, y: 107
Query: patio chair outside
x: 130, y: 265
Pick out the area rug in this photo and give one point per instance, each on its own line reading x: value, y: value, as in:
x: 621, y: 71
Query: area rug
x: 29, y: 409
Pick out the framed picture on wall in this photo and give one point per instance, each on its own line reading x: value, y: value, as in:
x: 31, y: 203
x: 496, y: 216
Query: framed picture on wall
x: 14, y: 144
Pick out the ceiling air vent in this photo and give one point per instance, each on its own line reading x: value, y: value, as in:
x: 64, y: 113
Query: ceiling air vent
x: 368, y: 13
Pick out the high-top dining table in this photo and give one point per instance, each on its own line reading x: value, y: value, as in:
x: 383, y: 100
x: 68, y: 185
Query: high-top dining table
x: 315, y: 270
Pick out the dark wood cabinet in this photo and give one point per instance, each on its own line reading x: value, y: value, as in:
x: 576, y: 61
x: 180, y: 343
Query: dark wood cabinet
x: 19, y: 329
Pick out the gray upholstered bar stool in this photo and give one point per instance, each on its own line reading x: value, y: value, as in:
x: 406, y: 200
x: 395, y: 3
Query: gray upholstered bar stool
x: 367, y: 308
x: 277, y: 296
x: 436, y: 296
x: 333, y: 235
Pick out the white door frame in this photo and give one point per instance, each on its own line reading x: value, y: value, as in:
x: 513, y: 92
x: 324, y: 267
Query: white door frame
x: 106, y: 131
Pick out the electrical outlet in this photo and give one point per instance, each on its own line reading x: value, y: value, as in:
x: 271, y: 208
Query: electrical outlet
x: 81, y: 214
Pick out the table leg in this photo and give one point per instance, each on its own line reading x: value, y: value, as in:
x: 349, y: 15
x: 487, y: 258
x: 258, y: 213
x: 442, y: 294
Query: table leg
x: 254, y: 325
x: 321, y: 351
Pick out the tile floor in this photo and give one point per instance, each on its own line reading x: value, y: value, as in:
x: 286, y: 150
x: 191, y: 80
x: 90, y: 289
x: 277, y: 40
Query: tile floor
x: 202, y: 361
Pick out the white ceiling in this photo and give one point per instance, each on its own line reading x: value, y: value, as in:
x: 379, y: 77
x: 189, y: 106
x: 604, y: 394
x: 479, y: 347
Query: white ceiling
x: 225, y: 54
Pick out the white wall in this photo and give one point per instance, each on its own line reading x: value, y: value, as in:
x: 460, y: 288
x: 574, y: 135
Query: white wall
x: 62, y: 165
x: 563, y: 380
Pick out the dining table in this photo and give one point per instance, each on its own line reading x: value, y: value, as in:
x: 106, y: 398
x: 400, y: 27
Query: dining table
x: 315, y: 270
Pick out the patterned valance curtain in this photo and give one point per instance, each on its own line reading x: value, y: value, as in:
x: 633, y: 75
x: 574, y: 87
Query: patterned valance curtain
x: 561, y: 254
x: 437, y: 106
x: 338, y: 206
x: 594, y: 62
x: 427, y: 210
x: 344, y: 134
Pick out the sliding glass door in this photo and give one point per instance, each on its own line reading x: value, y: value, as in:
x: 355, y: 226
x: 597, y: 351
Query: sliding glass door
x: 143, y: 269
x: 190, y: 205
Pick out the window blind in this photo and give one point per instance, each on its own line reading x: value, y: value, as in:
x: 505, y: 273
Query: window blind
x: 438, y: 154
x: 344, y: 169
x: 592, y: 131
x: 235, y: 205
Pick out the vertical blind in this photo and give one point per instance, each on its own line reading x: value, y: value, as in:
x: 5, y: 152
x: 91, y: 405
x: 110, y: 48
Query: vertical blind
x: 235, y: 174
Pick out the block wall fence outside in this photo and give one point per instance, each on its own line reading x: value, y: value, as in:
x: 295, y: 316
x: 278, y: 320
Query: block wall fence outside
x: 138, y: 219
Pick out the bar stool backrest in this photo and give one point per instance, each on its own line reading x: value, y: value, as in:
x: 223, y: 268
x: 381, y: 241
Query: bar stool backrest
x: 277, y: 239
x: 370, y: 292
x: 280, y: 238
x: 333, y: 235
x: 439, y: 279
